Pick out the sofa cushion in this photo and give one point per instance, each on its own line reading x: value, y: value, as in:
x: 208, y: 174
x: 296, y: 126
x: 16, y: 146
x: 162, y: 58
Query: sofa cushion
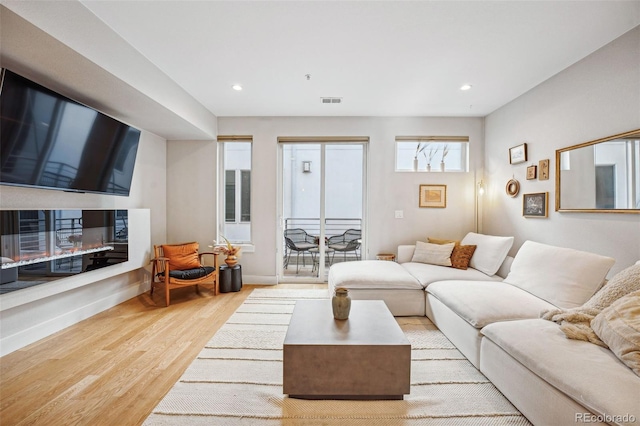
x: 490, y: 251
x: 482, y: 303
x: 589, y: 374
x: 373, y: 274
x: 564, y: 277
x: 619, y: 327
x: 433, y: 254
x: 427, y: 274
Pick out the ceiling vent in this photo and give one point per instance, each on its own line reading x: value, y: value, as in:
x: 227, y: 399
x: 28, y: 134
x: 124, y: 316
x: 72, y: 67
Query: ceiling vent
x: 331, y: 100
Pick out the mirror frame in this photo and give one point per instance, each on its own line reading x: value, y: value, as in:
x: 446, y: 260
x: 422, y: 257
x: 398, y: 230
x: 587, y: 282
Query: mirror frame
x: 581, y: 145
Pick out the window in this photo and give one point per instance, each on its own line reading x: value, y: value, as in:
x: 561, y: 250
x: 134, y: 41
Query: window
x: 235, y: 188
x: 432, y: 153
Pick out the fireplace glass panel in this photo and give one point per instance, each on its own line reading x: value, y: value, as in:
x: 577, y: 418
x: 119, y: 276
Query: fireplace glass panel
x: 39, y: 246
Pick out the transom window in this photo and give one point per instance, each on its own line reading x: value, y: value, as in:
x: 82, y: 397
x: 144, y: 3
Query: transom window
x: 432, y: 153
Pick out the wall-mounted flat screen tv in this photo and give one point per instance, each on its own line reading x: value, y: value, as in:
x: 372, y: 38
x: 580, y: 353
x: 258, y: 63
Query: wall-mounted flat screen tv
x: 50, y: 141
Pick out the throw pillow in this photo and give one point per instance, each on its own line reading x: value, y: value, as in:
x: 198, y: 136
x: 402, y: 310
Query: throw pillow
x: 619, y: 327
x: 460, y: 256
x: 575, y: 322
x: 564, y: 277
x: 182, y: 256
x: 490, y: 251
x: 441, y: 241
x: 434, y: 254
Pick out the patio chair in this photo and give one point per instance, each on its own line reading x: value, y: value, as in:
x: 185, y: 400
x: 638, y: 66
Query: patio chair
x: 349, y: 241
x: 299, y: 241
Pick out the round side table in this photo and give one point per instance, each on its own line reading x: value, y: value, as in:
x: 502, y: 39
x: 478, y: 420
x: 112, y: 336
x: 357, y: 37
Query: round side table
x: 386, y: 256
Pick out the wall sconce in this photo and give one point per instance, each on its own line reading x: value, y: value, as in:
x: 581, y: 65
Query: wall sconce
x: 478, y: 196
x: 306, y: 167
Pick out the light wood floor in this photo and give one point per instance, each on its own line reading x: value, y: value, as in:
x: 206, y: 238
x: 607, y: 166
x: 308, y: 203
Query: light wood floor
x: 113, y: 368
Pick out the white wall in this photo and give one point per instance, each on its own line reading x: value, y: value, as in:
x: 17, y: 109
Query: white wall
x: 596, y: 97
x: 191, y: 192
x: 387, y: 190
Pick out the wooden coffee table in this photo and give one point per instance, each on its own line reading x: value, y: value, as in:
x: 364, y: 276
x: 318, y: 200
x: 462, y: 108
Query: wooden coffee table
x: 364, y: 357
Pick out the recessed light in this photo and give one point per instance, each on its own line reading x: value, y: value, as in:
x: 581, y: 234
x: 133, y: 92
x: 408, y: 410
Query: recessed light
x: 465, y: 87
x: 236, y: 87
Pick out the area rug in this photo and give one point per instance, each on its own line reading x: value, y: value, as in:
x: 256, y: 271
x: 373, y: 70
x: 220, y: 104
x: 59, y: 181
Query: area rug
x: 237, y: 379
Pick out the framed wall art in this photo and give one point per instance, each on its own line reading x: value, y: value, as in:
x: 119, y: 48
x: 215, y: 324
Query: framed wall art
x: 543, y: 173
x: 518, y: 154
x: 535, y: 205
x: 532, y: 172
x: 433, y: 196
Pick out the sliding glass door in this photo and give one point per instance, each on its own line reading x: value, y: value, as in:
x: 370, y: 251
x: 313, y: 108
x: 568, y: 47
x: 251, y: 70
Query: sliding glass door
x: 322, y: 187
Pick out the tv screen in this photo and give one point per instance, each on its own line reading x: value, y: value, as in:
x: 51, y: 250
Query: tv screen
x: 50, y: 141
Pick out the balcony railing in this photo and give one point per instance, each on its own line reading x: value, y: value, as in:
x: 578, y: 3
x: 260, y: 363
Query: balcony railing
x: 332, y: 227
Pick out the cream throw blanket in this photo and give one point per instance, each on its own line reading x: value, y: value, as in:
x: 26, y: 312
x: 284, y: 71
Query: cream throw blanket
x: 576, y: 322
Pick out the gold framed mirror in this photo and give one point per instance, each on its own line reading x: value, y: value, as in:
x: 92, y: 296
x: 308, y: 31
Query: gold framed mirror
x: 600, y: 176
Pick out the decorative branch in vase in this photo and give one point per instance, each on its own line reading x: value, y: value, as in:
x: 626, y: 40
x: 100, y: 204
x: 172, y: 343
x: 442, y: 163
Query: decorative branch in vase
x: 228, y: 250
x: 419, y: 149
x: 445, y: 151
x: 432, y: 153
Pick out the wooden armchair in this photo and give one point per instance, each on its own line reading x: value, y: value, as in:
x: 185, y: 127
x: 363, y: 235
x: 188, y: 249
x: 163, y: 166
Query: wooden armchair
x: 180, y: 265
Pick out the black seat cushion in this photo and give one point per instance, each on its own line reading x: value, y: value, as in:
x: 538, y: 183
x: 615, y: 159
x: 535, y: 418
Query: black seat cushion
x: 192, y: 274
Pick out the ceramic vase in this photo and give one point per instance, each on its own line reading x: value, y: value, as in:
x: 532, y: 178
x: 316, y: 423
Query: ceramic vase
x: 231, y: 260
x: 341, y: 303
x: 442, y: 166
x: 429, y: 167
x: 415, y: 164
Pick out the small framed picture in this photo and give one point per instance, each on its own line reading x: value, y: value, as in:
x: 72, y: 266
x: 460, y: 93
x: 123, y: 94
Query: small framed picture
x: 518, y: 154
x: 531, y: 172
x: 535, y: 205
x: 544, y: 170
x: 433, y: 196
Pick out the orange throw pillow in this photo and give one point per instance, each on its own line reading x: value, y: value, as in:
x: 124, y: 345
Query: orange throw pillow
x: 440, y: 241
x: 461, y: 256
x: 182, y: 256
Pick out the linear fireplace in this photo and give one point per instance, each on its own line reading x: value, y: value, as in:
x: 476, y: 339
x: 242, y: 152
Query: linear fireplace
x: 39, y: 246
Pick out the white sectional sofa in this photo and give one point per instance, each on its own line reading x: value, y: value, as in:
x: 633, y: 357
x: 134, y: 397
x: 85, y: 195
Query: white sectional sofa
x: 493, y: 318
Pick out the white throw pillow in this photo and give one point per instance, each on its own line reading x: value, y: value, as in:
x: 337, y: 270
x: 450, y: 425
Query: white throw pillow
x: 562, y: 276
x: 434, y: 254
x: 490, y: 251
x: 619, y: 327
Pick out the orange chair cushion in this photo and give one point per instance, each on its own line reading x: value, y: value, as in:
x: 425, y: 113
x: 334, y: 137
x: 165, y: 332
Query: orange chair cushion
x: 182, y: 256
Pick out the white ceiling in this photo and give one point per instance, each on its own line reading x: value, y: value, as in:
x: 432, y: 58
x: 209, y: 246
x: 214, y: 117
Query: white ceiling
x: 384, y: 58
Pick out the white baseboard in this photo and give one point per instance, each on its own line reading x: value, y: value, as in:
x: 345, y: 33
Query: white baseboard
x: 260, y: 279
x: 32, y: 334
